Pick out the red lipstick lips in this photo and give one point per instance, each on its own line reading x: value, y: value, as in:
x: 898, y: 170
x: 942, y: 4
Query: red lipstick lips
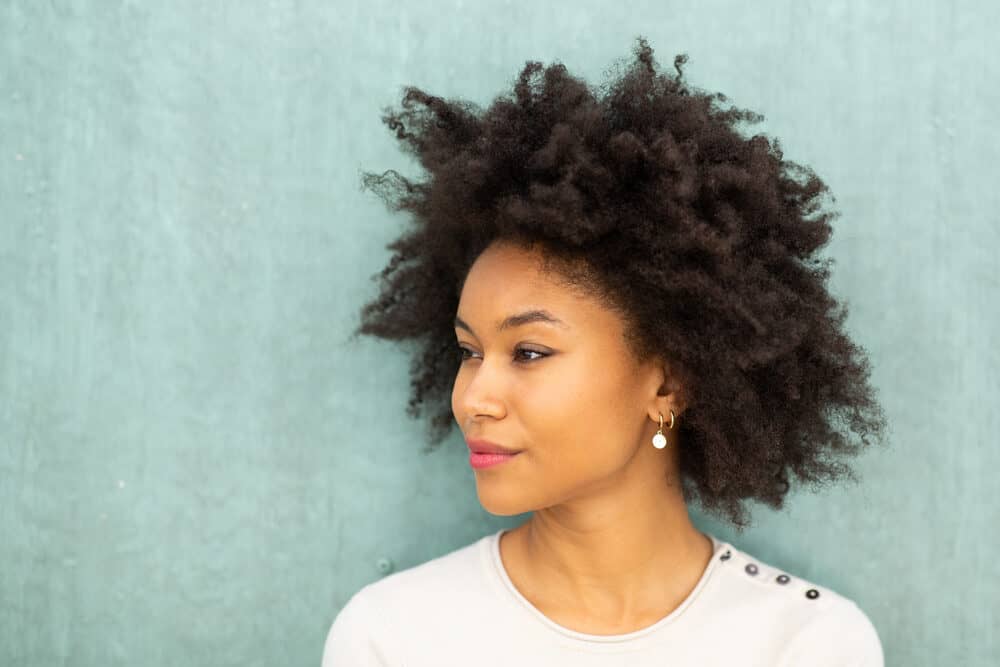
x: 486, y: 454
x: 487, y: 447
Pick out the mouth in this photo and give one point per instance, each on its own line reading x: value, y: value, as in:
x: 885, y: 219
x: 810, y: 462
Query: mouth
x: 480, y: 460
x: 487, y: 447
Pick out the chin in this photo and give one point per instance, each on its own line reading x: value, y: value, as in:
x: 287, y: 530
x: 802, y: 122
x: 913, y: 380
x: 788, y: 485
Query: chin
x: 499, y: 504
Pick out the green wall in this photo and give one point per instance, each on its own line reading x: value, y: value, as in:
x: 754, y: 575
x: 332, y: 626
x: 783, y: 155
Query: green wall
x: 196, y: 465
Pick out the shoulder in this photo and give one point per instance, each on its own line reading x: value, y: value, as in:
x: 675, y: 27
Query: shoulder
x: 840, y: 636
x: 811, y: 623
x: 371, y: 628
x: 355, y: 637
x: 450, y: 574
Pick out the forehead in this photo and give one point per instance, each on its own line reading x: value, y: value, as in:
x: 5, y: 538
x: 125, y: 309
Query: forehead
x: 511, y: 273
x: 506, y: 280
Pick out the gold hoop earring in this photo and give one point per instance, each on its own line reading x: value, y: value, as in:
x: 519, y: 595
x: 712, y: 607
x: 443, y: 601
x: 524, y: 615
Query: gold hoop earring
x: 659, y: 440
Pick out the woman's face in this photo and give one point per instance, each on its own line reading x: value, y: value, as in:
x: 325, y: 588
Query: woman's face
x: 568, y: 394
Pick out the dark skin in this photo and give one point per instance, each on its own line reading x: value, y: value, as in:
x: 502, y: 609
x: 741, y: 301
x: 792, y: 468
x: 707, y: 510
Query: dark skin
x: 610, y: 547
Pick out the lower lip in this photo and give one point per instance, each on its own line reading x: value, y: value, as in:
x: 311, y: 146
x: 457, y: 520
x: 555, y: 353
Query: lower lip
x: 479, y: 461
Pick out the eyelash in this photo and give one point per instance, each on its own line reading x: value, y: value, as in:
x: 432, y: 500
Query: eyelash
x: 541, y: 355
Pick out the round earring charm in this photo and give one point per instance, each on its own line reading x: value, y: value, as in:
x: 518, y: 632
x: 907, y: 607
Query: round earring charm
x: 659, y: 440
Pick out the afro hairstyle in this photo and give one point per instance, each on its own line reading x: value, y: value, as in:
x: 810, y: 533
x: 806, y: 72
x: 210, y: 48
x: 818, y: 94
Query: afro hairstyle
x: 645, y: 194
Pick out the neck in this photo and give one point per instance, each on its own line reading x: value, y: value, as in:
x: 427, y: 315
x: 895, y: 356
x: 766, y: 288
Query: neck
x: 633, y: 562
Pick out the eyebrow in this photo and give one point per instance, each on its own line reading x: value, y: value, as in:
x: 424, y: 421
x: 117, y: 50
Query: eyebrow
x: 518, y: 319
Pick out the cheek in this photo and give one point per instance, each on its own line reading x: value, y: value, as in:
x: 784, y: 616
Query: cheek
x: 576, y: 415
x: 603, y: 411
x: 548, y: 402
x: 577, y: 449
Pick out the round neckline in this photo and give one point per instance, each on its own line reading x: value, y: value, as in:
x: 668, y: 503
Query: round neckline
x: 649, y: 630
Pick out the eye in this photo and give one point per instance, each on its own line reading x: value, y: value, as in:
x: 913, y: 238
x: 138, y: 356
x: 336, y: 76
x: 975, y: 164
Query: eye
x: 465, y: 352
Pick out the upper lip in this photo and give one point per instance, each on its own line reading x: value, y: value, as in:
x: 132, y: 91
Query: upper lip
x: 485, y: 446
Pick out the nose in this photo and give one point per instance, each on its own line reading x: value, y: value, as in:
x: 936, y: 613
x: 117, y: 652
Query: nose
x: 481, y: 387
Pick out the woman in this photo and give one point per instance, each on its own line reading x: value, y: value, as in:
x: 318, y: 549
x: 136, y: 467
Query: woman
x: 640, y: 323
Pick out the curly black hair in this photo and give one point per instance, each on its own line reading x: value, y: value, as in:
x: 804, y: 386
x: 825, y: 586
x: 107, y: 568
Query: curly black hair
x: 643, y: 193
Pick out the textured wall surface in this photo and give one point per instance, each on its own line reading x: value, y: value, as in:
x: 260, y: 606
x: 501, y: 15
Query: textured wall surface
x: 197, y: 468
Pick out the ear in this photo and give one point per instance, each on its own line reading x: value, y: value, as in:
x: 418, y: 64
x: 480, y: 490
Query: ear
x: 670, y: 394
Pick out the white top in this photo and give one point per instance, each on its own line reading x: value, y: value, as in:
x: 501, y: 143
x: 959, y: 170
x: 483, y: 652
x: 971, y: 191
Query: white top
x: 462, y: 609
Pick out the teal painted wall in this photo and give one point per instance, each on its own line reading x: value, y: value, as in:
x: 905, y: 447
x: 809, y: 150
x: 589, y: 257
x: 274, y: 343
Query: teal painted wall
x: 197, y: 467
